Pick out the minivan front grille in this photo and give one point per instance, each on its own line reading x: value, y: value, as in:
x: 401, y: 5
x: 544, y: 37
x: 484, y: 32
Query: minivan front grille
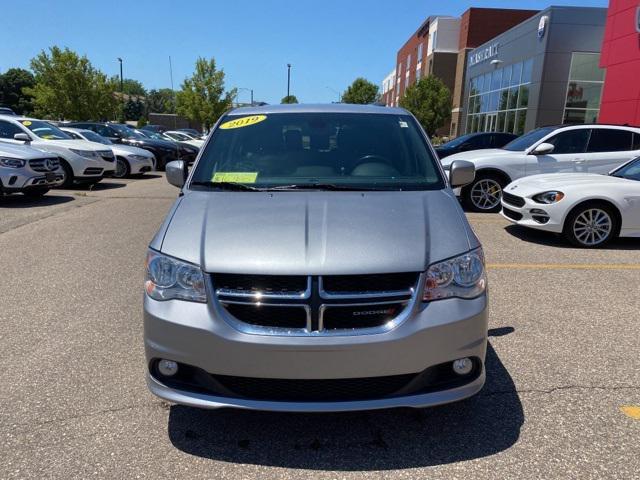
x: 302, y: 305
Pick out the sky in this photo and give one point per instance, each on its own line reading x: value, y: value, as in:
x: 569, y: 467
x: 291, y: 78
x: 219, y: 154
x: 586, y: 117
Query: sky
x: 328, y: 42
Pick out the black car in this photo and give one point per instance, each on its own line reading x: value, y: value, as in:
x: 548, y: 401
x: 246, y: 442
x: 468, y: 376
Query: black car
x: 474, y: 141
x: 6, y: 111
x: 155, y: 128
x: 164, y: 150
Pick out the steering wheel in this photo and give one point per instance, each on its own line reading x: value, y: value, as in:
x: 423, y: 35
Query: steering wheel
x: 371, y: 158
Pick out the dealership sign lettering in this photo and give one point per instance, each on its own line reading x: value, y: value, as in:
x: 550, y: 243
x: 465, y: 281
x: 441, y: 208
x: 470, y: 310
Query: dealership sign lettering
x: 483, y: 54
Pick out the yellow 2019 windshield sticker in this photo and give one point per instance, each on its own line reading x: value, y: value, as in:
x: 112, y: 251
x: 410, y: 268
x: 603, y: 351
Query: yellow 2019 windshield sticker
x: 243, y: 122
x: 235, y: 177
x: 26, y: 123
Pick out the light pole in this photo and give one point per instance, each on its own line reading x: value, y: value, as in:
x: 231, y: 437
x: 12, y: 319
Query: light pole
x: 288, y: 79
x: 121, y: 88
x: 337, y: 93
x: 248, y: 90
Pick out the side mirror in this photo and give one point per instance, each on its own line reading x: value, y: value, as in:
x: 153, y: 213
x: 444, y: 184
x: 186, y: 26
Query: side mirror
x: 23, y: 137
x: 461, y: 173
x: 177, y: 173
x: 543, y: 149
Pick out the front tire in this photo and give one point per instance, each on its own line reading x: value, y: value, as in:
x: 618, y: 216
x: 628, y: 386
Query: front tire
x: 123, y: 169
x: 67, y: 175
x: 591, y: 225
x: 484, y: 194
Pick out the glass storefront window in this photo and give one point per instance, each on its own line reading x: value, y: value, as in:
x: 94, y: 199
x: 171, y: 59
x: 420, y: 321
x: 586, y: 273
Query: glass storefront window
x: 584, y: 95
x: 496, y: 79
x: 527, y: 69
x: 498, y: 100
x: 506, y: 76
x: 513, y: 98
x: 586, y: 66
x: 584, y: 88
x: 523, y: 97
x: 510, y: 121
x: 516, y: 73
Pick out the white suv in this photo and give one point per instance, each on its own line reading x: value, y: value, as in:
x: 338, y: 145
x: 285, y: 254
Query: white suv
x: 80, y: 161
x: 576, y: 148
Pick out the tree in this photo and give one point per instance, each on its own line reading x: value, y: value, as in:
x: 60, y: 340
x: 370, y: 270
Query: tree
x: 203, y: 98
x: 289, y: 99
x: 133, y: 109
x: 12, y: 82
x: 69, y: 87
x: 430, y: 101
x: 130, y: 86
x: 160, y: 101
x: 361, y: 91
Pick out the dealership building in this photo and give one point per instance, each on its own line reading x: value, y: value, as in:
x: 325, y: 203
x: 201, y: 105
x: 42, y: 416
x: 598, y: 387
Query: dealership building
x: 544, y: 71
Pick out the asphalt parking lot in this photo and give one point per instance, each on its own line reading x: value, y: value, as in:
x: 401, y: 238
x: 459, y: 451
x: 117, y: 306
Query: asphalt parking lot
x: 563, y: 365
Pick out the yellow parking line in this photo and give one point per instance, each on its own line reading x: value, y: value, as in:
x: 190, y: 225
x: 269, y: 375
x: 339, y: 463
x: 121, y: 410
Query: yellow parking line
x: 631, y: 411
x: 563, y: 266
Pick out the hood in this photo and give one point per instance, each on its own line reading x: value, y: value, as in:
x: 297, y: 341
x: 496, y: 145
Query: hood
x: 150, y: 142
x: 23, y: 152
x: 121, y: 149
x: 56, y: 145
x: 316, y: 233
x: 558, y: 181
x: 477, y: 155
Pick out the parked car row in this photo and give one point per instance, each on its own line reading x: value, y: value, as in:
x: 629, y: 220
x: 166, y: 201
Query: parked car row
x: 582, y: 181
x: 37, y: 155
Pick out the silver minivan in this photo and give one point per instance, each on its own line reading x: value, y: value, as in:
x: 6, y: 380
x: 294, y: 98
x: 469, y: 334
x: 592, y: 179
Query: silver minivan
x: 316, y: 259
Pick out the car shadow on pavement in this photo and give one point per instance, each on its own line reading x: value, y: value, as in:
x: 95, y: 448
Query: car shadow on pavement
x: 21, y: 201
x: 550, y: 239
x: 146, y: 176
x: 483, y: 425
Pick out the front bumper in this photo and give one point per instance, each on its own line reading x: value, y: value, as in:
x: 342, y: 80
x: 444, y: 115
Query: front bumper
x: 433, y: 334
x: 549, y: 218
x: 141, y: 166
x: 20, y: 180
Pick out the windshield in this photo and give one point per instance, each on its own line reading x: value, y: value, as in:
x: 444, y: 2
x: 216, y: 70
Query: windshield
x: 45, y: 130
x: 520, y: 144
x: 457, y: 141
x: 94, y: 137
x: 319, y: 150
x: 630, y: 171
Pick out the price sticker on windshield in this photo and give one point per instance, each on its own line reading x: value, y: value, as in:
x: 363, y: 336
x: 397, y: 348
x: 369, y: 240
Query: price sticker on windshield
x: 243, y: 122
x: 235, y: 177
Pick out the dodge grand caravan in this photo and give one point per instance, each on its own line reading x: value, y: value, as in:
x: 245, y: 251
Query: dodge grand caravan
x: 316, y: 259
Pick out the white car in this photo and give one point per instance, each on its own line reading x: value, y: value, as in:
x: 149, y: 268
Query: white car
x: 130, y: 160
x: 575, y: 149
x: 80, y: 161
x: 589, y: 209
x: 27, y: 170
x: 183, y: 137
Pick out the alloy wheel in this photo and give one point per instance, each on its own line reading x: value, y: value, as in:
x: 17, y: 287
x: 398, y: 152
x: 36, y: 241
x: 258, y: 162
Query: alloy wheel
x: 592, y: 227
x: 486, y: 194
x: 121, y: 168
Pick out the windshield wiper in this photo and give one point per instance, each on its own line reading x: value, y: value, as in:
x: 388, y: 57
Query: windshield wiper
x: 227, y: 186
x: 318, y: 186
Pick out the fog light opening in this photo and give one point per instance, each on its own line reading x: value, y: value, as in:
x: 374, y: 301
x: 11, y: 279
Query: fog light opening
x: 539, y: 215
x: 168, y: 368
x: 463, y: 366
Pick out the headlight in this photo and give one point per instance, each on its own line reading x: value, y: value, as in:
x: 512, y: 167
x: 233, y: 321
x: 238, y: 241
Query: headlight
x: 168, y: 278
x: 548, y: 197
x: 139, y: 157
x: 84, y: 153
x: 462, y: 277
x: 12, y: 162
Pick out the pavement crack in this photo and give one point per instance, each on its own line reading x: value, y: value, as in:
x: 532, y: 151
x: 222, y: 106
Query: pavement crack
x: 35, y: 425
x: 560, y: 388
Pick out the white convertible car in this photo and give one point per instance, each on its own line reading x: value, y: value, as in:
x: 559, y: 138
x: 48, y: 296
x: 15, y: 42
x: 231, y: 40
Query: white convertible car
x: 587, y: 208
